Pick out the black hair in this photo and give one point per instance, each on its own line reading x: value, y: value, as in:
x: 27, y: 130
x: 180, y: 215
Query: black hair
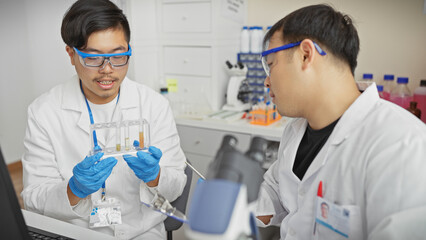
x: 322, y: 24
x: 85, y: 17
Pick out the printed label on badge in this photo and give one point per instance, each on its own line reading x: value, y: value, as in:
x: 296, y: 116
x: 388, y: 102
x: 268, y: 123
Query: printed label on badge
x: 105, y: 213
x: 333, y: 216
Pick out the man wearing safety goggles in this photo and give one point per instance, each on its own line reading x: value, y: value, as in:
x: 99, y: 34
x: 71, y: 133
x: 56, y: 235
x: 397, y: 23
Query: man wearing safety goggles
x: 361, y: 156
x: 60, y: 179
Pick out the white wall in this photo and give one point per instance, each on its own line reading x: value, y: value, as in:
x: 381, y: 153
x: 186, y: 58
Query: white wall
x: 392, y: 32
x: 33, y: 57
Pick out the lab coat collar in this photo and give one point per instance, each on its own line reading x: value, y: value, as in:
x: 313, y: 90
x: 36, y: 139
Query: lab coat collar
x: 73, y: 99
x: 351, y: 118
x: 355, y: 115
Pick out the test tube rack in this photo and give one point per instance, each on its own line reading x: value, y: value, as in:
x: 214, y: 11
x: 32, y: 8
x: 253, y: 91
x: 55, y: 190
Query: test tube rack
x: 264, y: 116
x: 122, y: 128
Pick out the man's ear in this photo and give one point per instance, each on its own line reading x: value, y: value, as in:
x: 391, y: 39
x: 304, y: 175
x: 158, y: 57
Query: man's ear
x: 307, y: 49
x: 70, y: 52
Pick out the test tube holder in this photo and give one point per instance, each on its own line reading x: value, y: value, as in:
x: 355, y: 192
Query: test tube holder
x: 141, y: 125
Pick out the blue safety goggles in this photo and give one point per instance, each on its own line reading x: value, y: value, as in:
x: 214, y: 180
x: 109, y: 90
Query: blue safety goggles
x: 267, y: 53
x: 97, y: 60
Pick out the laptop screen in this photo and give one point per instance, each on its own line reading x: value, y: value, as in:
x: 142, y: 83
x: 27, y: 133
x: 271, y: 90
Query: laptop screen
x: 12, y: 224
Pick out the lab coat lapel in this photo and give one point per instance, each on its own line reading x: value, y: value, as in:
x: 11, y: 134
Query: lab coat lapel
x: 318, y: 161
x: 351, y: 118
x: 73, y: 100
x: 293, y: 142
x: 299, y: 130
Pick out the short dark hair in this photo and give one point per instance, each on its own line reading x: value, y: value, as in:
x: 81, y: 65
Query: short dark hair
x: 322, y: 24
x: 85, y: 17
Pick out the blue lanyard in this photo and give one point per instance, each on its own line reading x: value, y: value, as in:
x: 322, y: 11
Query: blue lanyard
x: 95, y: 139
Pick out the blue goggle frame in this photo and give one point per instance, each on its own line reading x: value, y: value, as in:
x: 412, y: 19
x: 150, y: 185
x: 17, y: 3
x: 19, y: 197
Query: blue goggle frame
x: 85, y: 55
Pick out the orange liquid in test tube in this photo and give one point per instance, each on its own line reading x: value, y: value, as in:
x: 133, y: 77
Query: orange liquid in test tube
x: 141, y: 140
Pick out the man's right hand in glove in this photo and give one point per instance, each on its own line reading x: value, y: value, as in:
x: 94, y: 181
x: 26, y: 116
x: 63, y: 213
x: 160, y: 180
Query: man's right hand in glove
x: 89, y: 175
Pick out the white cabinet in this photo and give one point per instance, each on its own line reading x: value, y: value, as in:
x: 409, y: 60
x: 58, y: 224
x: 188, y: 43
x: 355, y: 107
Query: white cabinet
x: 196, y: 39
x: 186, y: 17
x: 185, y: 39
x: 191, y: 61
x: 206, y: 142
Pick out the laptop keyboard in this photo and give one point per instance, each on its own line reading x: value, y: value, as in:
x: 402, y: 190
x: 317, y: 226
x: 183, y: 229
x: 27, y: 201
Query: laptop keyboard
x: 36, y: 233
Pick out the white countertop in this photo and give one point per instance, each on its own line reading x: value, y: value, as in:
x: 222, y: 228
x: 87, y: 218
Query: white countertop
x: 271, y: 132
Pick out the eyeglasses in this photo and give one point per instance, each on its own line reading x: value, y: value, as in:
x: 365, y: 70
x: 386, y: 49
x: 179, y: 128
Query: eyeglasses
x: 97, y: 60
x: 267, y: 55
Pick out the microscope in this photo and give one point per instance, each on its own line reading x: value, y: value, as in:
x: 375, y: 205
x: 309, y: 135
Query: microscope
x: 238, y: 74
x: 223, y: 205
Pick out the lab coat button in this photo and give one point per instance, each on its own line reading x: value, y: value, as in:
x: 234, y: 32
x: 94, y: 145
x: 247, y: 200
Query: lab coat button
x: 302, y: 192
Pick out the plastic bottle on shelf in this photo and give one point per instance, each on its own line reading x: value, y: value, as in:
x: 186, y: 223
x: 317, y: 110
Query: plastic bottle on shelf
x: 266, y: 31
x: 380, y: 90
x: 245, y: 40
x: 420, y: 98
x: 254, y: 39
x: 260, y: 38
x: 401, y: 95
x: 388, y: 85
x: 414, y: 110
x: 367, y: 77
x: 365, y: 82
x: 252, y: 33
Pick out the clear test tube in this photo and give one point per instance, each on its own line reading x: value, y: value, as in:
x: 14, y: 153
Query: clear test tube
x: 126, y: 136
x: 141, y: 135
x: 118, y: 138
x: 146, y: 134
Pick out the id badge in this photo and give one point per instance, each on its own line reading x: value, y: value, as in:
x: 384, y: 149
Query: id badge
x: 105, y: 213
x: 332, y: 216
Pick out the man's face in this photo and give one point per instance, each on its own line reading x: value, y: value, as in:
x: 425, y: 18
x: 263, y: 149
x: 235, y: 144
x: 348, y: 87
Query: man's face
x: 283, y: 79
x: 324, y: 211
x: 101, y: 84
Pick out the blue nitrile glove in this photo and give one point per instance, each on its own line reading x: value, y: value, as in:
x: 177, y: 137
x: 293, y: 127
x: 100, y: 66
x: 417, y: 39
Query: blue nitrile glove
x: 90, y: 174
x: 146, y: 165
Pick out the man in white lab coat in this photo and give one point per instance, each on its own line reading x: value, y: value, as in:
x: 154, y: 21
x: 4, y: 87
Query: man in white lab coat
x: 61, y: 179
x: 363, y: 157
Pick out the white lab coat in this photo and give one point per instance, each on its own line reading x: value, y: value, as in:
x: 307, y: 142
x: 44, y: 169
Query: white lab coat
x: 57, y: 138
x: 373, y: 163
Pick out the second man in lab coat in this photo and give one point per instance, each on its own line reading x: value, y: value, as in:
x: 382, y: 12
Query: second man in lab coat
x: 361, y: 156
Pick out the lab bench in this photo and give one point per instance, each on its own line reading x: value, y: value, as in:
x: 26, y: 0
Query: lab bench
x: 200, y: 139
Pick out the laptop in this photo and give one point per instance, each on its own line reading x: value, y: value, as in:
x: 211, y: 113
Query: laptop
x: 12, y: 223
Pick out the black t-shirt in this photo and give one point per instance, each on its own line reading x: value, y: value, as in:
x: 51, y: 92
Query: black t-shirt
x: 311, y: 144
